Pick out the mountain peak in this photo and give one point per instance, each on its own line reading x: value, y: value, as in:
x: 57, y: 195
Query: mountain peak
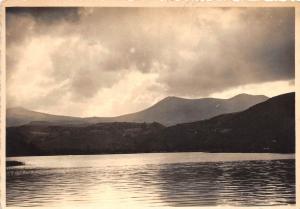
x: 245, y: 95
x: 170, y: 99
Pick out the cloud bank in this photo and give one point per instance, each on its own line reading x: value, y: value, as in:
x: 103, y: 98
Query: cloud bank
x: 110, y: 61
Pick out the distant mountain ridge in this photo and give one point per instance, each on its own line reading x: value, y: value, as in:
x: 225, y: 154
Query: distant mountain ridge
x: 175, y: 110
x: 169, y: 111
x: 265, y: 127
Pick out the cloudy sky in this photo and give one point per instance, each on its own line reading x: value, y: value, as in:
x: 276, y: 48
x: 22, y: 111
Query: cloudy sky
x: 112, y: 61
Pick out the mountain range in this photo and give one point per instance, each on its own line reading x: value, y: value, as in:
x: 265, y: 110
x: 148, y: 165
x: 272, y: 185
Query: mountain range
x: 268, y: 126
x: 169, y: 111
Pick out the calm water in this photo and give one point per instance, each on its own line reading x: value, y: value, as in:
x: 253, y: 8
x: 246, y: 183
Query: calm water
x: 162, y: 179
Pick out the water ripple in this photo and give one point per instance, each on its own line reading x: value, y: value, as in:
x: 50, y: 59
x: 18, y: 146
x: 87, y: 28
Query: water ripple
x: 236, y: 183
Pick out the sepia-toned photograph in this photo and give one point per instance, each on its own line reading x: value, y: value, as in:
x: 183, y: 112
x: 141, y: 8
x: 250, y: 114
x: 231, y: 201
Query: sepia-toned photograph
x: 134, y: 107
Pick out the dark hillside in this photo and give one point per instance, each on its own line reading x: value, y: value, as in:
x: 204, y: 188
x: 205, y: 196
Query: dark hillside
x: 265, y: 127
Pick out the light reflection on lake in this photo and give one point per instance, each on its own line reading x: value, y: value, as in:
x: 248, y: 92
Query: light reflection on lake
x: 158, y: 179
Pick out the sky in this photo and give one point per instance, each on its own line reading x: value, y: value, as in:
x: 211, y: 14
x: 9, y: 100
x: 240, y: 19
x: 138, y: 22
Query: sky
x: 113, y: 61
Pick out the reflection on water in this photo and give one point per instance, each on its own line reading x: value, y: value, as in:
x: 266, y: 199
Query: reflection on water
x: 153, y: 180
x: 243, y: 183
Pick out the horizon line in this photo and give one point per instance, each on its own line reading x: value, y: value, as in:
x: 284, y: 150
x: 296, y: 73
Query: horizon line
x: 82, y: 117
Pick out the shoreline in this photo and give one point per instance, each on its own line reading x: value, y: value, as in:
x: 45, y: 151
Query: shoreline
x: 12, y: 163
x: 131, y: 153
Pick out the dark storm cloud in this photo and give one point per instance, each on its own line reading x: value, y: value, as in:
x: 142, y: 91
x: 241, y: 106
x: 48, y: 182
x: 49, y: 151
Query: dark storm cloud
x: 25, y: 23
x: 46, y: 14
x: 193, y: 51
x: 31, y: 18
x: 259, y: 48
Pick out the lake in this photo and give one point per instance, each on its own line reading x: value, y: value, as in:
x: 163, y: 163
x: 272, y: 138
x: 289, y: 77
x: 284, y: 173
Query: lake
x: 154, y: 179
